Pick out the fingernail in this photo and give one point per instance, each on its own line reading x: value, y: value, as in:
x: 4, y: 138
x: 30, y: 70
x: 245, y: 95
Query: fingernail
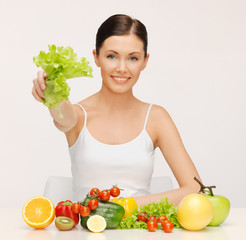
x: 42, y: 86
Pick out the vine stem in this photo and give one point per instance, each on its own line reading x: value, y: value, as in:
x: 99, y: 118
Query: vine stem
x: 204, y: 187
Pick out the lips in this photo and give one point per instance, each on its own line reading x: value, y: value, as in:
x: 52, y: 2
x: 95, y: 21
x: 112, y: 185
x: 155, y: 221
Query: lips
x: 120, y: 79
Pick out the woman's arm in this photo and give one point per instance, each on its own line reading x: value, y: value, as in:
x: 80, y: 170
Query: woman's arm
x: 69, y: 119
x: 169, y: 141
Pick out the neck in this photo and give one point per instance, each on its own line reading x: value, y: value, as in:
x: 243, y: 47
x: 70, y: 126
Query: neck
x: 111, y: 100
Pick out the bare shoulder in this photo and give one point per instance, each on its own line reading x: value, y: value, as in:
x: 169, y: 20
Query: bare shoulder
x: 159, y: 124
x: 159, y: 114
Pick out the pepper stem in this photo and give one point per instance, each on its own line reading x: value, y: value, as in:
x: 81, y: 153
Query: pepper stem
x: 204, y: 187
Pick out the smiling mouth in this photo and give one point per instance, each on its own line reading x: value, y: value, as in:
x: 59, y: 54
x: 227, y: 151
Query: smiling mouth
x: 120, y: 79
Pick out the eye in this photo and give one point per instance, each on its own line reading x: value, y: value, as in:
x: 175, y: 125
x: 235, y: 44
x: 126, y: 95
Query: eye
x: 133, y: 59
x: 110, y: 56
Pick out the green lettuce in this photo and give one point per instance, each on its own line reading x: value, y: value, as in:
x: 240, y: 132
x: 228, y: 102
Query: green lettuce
x: 60, y: 63
x: 162, y: 207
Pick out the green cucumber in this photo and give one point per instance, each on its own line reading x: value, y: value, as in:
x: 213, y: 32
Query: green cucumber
x: 112, y: 212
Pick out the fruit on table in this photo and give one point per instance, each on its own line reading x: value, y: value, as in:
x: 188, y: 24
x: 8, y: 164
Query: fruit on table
x: 38, y: 212
x: 221, y: 205
x: 64, y: 208
x: 127, y: 203
x: 112, y: 212
x: 194, y: 212
x: 96, y: 223
x: 64, y: 223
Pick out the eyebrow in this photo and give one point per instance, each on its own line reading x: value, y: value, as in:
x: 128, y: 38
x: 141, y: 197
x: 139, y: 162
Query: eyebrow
x: 118, y: 53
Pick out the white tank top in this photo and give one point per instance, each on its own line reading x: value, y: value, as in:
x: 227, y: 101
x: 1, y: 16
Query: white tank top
x: 96, y: 164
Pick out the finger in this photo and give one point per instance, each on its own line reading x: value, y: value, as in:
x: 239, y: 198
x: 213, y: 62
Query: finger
x: 35, y: 95
x: 41, y: 76
x: 38, y: 89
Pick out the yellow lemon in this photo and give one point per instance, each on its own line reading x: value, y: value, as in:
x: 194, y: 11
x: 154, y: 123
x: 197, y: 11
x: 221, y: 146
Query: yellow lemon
x: 96, y: 223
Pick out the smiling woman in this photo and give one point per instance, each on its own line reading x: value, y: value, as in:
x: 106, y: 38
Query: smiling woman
x: 121, y: 59
x: 112, y: 135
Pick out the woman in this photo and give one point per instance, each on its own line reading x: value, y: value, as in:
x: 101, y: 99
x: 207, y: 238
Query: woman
x: 112, y: 135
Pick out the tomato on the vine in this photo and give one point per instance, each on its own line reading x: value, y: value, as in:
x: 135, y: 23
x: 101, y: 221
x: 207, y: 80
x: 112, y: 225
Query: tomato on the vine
x: 92, y: 204
x: 76, y: 208
x: 143, y: 217
x: 152, y: 218
x: 161, y: 218
x: 84, y: 211
x: 104, y: 195
x: 151, y: 225
x: 95, y: 192
x: 167, y: 226
x: 114, y: 191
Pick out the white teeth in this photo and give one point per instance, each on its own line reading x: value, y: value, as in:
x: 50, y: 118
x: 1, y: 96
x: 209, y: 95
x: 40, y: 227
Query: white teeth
x: 120, y: 79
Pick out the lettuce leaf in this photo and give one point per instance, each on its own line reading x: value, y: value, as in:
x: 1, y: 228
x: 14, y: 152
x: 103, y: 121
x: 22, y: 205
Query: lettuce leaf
x: 60, y: 63
x: 162, y: 207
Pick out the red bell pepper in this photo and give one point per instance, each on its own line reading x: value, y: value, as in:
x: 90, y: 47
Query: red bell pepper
x: 64, y: 208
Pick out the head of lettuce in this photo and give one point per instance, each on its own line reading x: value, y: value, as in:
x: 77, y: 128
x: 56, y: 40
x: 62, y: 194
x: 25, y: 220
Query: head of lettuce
x: 60, y: 63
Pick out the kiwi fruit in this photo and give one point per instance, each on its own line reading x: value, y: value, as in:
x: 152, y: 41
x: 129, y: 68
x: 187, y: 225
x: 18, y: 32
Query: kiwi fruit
x: 64, y: 223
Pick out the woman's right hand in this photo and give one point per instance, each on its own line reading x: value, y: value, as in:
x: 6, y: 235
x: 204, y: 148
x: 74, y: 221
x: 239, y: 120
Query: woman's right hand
x: 39, y: 86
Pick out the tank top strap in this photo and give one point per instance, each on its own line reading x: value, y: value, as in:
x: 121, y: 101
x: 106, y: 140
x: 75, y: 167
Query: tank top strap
x: 147, y: 116
x: 84, y: 113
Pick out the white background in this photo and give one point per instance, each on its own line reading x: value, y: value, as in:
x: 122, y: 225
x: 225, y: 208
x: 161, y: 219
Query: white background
x: 196, y: 70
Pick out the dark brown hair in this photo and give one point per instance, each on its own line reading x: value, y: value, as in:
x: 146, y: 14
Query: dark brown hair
x: 121, y: 24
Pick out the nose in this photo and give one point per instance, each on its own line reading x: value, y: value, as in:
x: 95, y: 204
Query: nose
x: 121, y: 66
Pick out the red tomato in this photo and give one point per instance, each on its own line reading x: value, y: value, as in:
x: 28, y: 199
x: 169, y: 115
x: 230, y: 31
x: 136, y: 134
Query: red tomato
x: 92, y: 204
x: 104, y: 195
x: 167, y: 226
x: 152, y: 218
x: 76, y: 208
x: 161, y: 218
x: 115, y: 191
x: 143, y: 217
x: 151, y: 226
x: 95, y: 192
x: 84, y: 211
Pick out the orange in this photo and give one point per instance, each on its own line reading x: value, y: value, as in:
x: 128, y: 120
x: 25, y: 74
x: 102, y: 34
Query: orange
x: 38, y: 212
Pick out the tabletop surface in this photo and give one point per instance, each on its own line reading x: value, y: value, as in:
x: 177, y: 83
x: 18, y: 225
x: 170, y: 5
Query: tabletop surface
x: 12, y: 226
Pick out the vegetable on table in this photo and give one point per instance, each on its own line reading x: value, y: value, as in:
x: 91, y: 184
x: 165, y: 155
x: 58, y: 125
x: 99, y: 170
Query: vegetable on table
x: 151, y: 225
x: 104, y: 195
x: 64, y: 208
x: 160, y: 208
x: 115, y: 191
x: 60, y: 63
x: 127, y: 203
x: 112, y: 212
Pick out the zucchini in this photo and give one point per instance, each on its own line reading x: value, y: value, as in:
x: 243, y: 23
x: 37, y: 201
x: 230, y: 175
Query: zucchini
x: 112, y: 212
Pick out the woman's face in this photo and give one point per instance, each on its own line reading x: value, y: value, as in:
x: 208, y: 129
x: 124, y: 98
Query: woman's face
x: 121, y: 59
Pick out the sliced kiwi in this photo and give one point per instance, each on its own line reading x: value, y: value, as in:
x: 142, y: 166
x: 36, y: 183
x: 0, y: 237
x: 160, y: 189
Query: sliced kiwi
x: 64, y: 223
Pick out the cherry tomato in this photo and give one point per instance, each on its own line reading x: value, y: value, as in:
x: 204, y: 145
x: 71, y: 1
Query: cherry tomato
x: 152, y: 218
x: 167, y: 226
x: 95, y: 192
x: 76, y: 208
x: 104, y: 195
x: 115, y: 191
x: 92, y: 204
x: 151, y: 226
x: 143, y: 217
x: 161, y: 218
x: 84, y: 211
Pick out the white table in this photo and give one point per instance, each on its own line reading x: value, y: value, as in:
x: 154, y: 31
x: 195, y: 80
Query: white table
x: 12, y: 226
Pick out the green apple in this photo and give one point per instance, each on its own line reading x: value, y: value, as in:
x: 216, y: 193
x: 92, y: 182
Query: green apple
x: 221, y: 207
